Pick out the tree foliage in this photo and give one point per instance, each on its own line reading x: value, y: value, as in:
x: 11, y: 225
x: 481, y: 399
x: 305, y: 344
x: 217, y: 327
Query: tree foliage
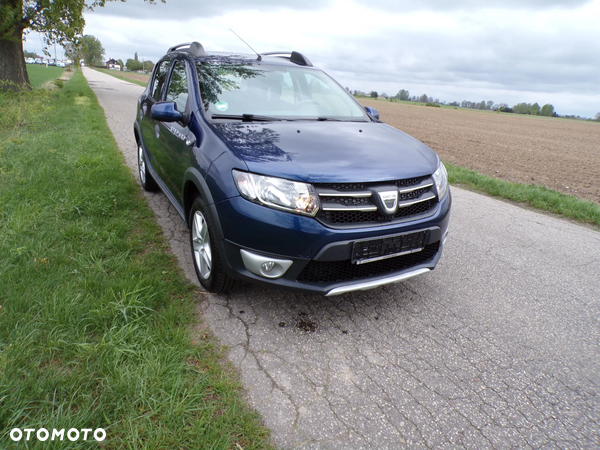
x: 91, y: 50
x: 522, y: 108
x: 58, y: 21
x: 133, y: 65
x: 547, y: 110
x: 403, y: 95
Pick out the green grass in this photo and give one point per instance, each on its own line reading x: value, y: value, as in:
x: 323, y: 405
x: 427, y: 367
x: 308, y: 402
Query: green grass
x: 122, y: 77
x: 95, y: 314
x: 532, y: 195
x: 40, y: 74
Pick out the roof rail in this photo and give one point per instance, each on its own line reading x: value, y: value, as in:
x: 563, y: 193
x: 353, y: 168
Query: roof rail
x: 295, y: 57
x: 194, y: 48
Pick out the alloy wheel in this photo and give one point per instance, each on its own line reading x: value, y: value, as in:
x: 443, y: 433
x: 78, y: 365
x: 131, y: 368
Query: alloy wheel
x: 201, y: 244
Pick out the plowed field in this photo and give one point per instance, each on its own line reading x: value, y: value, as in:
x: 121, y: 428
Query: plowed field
x: 560, y: 154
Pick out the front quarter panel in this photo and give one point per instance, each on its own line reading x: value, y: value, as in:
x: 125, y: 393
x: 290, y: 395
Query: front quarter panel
x: 214, y: 159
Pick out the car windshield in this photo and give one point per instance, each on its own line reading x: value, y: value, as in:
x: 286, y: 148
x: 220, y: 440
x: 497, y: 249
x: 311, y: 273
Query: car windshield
x: 262, y: 91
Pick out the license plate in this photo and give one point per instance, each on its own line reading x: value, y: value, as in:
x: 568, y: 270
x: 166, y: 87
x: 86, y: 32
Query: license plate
x: 388, y: 247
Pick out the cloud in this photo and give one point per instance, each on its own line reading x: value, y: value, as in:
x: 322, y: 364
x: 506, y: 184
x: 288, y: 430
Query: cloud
x: 471, y: 5
x: 185, y: 9
x: 464, y: 49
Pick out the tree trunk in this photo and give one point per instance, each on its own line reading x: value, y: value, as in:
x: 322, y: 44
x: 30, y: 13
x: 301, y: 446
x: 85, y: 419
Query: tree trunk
x: 13, y: 72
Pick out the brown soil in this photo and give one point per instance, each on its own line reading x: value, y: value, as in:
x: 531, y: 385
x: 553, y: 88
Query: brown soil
x: 560, y: 154
x: 134, y: 76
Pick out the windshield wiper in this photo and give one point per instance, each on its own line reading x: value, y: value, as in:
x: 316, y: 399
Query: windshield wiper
x: 333, y: 119
x: 246, y: 117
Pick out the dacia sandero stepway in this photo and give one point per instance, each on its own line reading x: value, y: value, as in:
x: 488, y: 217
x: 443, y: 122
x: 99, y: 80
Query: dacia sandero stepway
x: 283, y: 178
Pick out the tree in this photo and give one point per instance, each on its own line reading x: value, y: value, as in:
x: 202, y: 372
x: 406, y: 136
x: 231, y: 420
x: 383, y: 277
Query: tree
x: 535, y: 109
x: 147, y: 66
x: 29, y: 54
x: 403, y: 95
x: 503, y: 107
x: 133, y: 65
x: 120, y: 61
x: 489, y: 105
x: 91, y: 50
x: 522, y: 108
x: 547, y: 110
x: 59, y: 21
x: 597, y: 116
x: 373, y: 94
x: 135, y: 56
x: 423, y: 98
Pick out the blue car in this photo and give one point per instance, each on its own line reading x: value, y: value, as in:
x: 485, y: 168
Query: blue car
x: 283, y: 178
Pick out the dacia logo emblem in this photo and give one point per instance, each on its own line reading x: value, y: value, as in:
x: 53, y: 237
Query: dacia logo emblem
x: 389, y: 200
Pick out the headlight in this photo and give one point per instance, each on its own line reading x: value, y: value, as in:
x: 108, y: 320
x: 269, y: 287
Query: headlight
x: 277, y: 193
x: 440, y: 176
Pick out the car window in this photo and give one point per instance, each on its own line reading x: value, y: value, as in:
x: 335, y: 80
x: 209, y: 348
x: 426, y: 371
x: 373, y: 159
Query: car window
x: 178, y: 86
x: 274, y: 90
x: 323, y: 93
x: 159, y: 79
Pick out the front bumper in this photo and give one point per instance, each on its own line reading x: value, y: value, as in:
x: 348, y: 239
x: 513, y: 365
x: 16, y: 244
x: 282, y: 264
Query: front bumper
x: 318, y: 259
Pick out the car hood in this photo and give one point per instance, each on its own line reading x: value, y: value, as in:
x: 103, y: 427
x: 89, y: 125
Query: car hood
x: 328, y: 152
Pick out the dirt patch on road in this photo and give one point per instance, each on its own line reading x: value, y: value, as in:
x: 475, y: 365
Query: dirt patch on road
x: 560, y: 154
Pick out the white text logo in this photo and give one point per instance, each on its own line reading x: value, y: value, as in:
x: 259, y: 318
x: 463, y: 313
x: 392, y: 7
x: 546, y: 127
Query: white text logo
x: 16, y: 434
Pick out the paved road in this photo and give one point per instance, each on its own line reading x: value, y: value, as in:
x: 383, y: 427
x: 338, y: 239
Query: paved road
x: 498, y: 348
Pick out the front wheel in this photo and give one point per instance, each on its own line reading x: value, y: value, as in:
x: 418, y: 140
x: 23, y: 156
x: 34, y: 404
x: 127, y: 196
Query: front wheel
x: 206, y: 256
x: 148, y: 183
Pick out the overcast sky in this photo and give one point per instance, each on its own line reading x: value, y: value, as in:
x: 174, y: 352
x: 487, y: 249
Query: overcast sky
x: 510, y: 51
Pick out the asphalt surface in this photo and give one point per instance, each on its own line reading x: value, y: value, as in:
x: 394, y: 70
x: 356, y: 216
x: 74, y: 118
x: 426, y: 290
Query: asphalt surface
x: 498, y: 348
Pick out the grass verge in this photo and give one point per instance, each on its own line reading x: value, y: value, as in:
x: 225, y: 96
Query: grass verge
x: 95, y: 315
x: 124, y: 76
x: 532, y: 195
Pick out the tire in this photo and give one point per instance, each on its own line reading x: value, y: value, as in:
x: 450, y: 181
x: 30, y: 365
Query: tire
x: 148, y: 183
x: 208, y: 262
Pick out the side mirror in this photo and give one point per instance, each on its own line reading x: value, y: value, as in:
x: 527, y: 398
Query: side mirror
x: 372, y: 112
x: 166, y: 112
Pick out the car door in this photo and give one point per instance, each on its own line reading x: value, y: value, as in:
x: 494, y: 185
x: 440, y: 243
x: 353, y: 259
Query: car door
x: 148, y: 126
x: 173, y: 153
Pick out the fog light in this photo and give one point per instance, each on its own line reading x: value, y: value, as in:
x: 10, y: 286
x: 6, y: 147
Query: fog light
x: 268, y: 266
x: 264, y: 266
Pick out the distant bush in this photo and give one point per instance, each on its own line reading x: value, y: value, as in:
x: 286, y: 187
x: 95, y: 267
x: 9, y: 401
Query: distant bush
x: 435, y: 105
x: 505, y: 109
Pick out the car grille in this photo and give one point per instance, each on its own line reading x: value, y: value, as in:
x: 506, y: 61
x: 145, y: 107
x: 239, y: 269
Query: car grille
x: 352, y: 204
x: 337, y: 271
